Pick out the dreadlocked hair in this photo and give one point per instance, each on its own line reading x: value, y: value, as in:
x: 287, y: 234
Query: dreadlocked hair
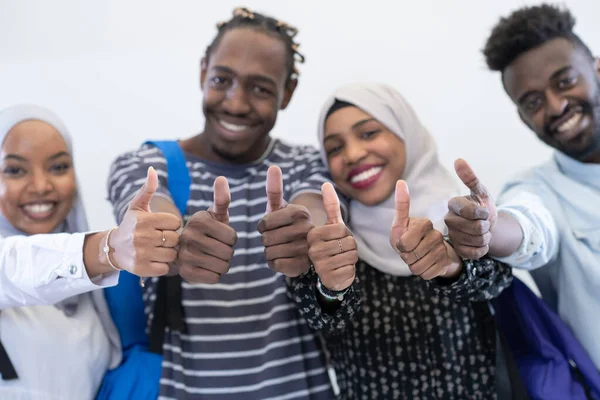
x: 526, y: 29
x: 245, y: 18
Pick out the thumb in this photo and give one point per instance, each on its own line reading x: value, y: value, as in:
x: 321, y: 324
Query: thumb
x: 332, y: 204
x: 141, y: 201
x: 468, y: 177
x: 221, y: 199
x: 274, y: 186
x: 401, y: 218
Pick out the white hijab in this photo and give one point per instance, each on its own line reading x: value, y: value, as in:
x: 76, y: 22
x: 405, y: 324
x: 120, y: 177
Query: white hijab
x: 76, y: 220
x: 430, y: 184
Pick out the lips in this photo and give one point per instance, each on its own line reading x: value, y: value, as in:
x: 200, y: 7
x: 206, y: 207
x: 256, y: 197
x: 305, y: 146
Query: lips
x: 234, y: 127
x: 570, y: 125
x: 39, y: 211
x: 232, y: 131
x: 364, y: 176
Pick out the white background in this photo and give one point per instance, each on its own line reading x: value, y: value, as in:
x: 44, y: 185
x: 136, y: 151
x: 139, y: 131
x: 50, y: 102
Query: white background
x: 119, y: 72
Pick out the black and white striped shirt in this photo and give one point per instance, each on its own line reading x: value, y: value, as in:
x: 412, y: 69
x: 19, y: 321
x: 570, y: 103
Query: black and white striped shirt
x: 244, y: 337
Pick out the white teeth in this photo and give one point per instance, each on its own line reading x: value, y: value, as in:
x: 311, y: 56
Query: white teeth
x: 570, y: 123
x: 233, y: 127
x: 363, y: 176
x: 40, y: 208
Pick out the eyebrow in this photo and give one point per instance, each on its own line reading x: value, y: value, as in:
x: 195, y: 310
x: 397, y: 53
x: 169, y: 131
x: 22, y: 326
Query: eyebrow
x: 552, y: 77
x: 331, y: 137
x: 255, y: 77
x: 354, y: 126
x: 362, y: 122
x: 21, y: 158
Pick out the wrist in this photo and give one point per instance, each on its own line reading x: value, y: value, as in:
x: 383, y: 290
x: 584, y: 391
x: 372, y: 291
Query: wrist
x: 331, y: 295
x: 456, y: 263
x: 107, y: 251
x: 94, y: 260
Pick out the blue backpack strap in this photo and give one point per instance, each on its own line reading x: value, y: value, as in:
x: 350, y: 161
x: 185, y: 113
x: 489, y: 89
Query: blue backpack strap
x: 168, y: 309
x: 126, y: 306
x: 178, y: 175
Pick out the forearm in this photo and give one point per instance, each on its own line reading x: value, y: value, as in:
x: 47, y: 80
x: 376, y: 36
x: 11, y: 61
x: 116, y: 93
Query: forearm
x: 478, y: 280
x: 507, y: 236
x: 44, y: 269
x: 331, y: 318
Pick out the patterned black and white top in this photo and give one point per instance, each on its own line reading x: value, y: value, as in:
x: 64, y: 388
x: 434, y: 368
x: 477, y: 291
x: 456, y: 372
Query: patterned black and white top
x: 406, y: 338
x: 244, y: 337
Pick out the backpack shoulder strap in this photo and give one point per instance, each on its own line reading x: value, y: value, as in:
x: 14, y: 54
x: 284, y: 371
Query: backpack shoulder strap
x: 178, y: 174
x: 168, y: 309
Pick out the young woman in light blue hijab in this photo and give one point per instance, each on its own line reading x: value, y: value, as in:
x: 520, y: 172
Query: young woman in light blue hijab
x: 61, y: 350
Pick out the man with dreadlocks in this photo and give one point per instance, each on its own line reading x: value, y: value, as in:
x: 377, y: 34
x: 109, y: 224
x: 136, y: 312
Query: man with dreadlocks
x: 547, y: 219
x: 239, y: 335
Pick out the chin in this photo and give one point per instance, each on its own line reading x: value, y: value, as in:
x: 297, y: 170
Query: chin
x: 370, y: 200
x: 228, y: 152
x: 38, y: 229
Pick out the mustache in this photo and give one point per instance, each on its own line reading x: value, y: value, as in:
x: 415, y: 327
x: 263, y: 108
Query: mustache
x: 580, y: 107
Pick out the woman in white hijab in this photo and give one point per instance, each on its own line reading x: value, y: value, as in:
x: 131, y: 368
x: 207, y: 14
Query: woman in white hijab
x: 60, y: 351
x: 399, y: 330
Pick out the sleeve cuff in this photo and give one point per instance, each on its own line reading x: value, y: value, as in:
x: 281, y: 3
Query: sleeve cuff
x: 69, y: 277
x: 531, y: 243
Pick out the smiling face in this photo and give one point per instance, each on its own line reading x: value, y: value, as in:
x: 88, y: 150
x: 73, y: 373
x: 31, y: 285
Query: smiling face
x: 365, y: 158
x: 556, y: 88
x: 245, y: 85
x: 37, y: 180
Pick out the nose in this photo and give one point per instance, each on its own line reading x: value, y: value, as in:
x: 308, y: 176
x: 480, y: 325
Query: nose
x: 237, y: 100
x: 41, y: 183
x: 355, y: 152
x: 556, y: 104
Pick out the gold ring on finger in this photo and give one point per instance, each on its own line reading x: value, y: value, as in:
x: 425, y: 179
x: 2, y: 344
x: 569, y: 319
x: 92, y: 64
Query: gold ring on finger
x: 341, y: 246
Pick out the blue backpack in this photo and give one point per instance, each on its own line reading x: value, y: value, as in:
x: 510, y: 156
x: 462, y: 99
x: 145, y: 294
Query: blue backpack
x: 139, y: 374
x: 551, y: 362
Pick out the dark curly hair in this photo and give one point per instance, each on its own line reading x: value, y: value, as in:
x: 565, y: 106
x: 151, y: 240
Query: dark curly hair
x: 246, y: 18
x: 526, y: 29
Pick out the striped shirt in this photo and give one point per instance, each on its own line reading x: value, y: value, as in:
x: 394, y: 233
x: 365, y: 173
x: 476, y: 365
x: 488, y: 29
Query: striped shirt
x: 244, y: 337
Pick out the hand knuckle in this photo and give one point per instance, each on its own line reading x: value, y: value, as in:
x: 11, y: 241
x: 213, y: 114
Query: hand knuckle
x: 479, y: 227
x: 310, y: 237
x: 230, y: 253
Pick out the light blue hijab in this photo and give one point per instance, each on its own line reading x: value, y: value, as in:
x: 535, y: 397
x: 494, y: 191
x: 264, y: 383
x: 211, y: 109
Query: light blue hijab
x: 76, y: 220
x: 430, y: 184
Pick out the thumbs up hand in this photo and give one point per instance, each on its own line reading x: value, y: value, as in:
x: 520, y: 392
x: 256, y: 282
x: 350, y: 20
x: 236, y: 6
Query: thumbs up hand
x: 283, y: 229
x: 470, y: 219
x: 332, y: 248
x: 420, y: 246
x: 144, y: 243
x: 206, y: 243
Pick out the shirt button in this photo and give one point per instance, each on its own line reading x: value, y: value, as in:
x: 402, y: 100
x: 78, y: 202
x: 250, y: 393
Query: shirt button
x: 474, y: 270
x: 73, y: 269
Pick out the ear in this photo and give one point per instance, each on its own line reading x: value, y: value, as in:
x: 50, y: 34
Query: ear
x: 290, y: 87
x: 203, y: 68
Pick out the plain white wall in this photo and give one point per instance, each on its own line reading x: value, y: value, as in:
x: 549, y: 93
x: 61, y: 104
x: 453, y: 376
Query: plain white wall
x: 120, y: 71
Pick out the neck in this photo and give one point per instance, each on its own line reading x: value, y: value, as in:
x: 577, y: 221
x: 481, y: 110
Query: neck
x: 201, y: 146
